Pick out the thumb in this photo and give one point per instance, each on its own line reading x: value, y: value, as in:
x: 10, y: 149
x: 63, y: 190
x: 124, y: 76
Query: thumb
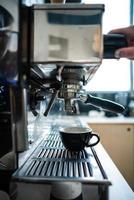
x: 127, y: 52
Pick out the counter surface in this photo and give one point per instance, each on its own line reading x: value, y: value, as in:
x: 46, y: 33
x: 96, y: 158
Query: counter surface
x: 107, y: 120
x: 120, y: 189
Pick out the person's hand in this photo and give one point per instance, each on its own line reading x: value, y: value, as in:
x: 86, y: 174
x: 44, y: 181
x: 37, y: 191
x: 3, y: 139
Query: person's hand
x: 126, y: 52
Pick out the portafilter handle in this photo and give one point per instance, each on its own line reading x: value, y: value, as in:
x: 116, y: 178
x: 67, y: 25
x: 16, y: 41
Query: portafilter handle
x: 112, y: 42
x: 102, y: 103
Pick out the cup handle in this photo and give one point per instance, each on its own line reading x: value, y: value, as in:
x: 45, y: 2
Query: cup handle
x: 97, y: 141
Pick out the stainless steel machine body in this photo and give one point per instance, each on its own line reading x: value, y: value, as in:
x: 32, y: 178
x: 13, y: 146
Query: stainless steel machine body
x: 63, y: 46
x: 66, y: 44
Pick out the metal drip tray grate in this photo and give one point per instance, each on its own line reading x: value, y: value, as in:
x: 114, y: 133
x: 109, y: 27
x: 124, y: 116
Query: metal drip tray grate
x: 52, y: 162
x: 60, y: 163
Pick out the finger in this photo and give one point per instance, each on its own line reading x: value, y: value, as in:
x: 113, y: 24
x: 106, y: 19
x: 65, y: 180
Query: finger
x: 127, y: 52
x: 126, y: 30
x: 119, y: 31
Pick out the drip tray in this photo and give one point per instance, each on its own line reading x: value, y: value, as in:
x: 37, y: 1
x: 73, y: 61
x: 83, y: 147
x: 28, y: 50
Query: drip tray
x: 52, y: 162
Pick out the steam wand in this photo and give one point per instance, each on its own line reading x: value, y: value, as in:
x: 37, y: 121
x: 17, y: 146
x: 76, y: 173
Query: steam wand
x: 103, y: 103
x: 51, y: 102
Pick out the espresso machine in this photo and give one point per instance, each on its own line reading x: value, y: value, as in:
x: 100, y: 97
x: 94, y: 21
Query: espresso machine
x: 54, y: 51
